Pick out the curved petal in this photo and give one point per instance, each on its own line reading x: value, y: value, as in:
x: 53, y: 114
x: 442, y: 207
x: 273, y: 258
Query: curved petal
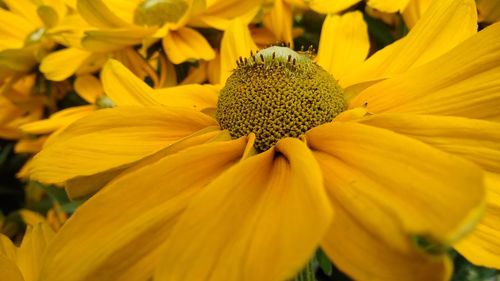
x: 331, y: 7
x: 113, y: 138
x: 415, y: 10
x: 457, y: 20
x: 58, y: 120
x: 482, y: 247
x: 98, y: 14
x: 88, y: 87
x: 60, y: 65
x: 123, y: 87
x: 280, y: 21
x: 475, y: 140
x: 219, y: 14
x: 186, y: 44
x: 236, y: 42
x: 464, y: 82
x: 261, y: 220
x: 430, y: 192
x: 388, y: 6
x: 9, y: 269
x: 117, y: 234
x: 344, y: 43
x: 31, y: 252
x: 108, y: 40
x: 362, y: 251
x: 26, y: 9
x: 198, y: 97
x: 14, y: 30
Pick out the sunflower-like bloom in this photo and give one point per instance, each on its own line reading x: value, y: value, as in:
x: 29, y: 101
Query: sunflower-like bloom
x: 29, y: 29
x: 23, y: 263
x: 127, y: 23
x: 249, y: 185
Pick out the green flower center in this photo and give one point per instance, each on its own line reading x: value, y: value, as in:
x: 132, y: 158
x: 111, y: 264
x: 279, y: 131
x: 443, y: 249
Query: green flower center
x: 275, y: 94
x: 158, y: 12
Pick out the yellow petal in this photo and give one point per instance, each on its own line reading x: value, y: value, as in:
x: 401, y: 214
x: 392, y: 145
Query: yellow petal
x: 123, y: 87
x: 142, y: 207
x: 185, y: 44
x: 134, y: 61
x: 197, y: 97
x: 32, y: 249
x: 60, y: 65
x: 279, y: 20
x: 358, y: 249
x: 113, y: 138
x: 14, y: 30
x: 261, y: 220
x: 415, y: 10
x: 344, y: 43
x: 331, y: 7
x: 457, y: 20
x: 219, y: 14
x: 482, y: 247
x: 388, y: 6
x: 17, y: 60
x: 83, y: 186
x: 26, y: 9
x: 236, y: 42
x: 30, y: 145
x: 197, y: 74
x: 489, y: 10
x: 9, y: 269
x: 475, y: 140
x: 30, y: 217
x: 88, y: 87
x: 48, y: 15
x: 430, y: 192
x: 214, y: 70
x: 108, y: 40
x: 98, y: 14
x: 464, y: 82
x: 60, y: 119
x: 7, y: 248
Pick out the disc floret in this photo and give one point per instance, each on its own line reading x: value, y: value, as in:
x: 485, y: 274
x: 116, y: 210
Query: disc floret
x: 277, y: 93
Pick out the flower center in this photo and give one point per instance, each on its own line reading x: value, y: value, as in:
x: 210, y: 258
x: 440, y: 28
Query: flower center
x: 158, y: 12
x: 275, y: 94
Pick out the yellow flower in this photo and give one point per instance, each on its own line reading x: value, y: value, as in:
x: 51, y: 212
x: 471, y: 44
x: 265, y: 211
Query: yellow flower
x: 18, y: 106
x: 29, y: 30
x: 186, y: 200
x: 128, y: 23
x: 23, y: 263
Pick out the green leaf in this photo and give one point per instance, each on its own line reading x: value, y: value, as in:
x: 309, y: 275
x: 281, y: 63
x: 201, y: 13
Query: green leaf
x: 324, y: 263
x: 57, y: 194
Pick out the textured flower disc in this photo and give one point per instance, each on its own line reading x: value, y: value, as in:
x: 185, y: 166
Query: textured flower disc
x: 158, y: 12
x: 278, y: 93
